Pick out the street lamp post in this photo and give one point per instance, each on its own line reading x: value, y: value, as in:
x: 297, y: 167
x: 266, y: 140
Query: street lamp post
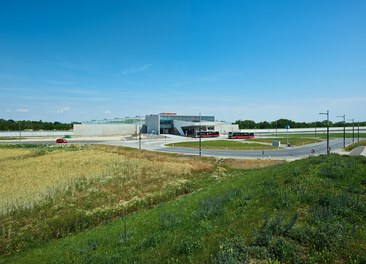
x: 344, y: 129
x: 20, y: 132
x: 358, y: 131
x: 200, y: 139
x: 315, y: 133
x: 353, y: 130
x: 139, y: 137
x: 327, y: 113
x: 276, y: 128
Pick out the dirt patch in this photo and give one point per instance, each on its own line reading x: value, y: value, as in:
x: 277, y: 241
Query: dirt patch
x: 251, y: 163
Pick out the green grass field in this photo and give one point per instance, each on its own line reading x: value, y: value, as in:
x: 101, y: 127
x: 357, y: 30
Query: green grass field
x: 309, y: 211
x: 222, y: 144
x: 306, y: 211
x: 295, y: 141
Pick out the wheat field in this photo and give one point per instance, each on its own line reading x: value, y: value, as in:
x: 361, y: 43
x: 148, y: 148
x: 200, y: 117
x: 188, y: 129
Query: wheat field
x: 30, y: 176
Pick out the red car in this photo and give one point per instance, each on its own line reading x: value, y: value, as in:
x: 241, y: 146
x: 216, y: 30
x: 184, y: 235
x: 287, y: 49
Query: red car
x: 61, y: 140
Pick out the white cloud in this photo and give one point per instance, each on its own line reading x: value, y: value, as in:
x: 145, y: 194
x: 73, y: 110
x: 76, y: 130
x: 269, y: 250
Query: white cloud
x: 22, y: 110
x: 64, y: 109
x: 107, y: 112
x: 133, y: 70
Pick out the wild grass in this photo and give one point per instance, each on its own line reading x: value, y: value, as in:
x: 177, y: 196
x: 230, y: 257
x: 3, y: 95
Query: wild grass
x: 357, y: 144
x: 222, y: 144
x: 53, y: 191
x: 308, y: 211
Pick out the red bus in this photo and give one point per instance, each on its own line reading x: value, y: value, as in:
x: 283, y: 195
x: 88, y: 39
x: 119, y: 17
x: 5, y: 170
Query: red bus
x: 240, y: 135
x: 205, y: 134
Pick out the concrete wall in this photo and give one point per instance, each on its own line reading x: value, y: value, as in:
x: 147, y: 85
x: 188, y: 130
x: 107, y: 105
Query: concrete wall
x: 225, y: 129
x: 310, y: 131
x: 152, y: 123
x: 45, y: 133
x: 104, y: 130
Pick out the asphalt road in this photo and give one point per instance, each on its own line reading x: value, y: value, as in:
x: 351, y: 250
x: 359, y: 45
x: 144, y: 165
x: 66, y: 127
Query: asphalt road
x: 157, y: 144
x: 281, y: 153
x: 286, y: 153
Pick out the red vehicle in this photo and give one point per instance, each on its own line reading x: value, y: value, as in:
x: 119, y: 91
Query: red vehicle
x: 61, y: 140
x: 240, y: 135
x: 206, y: 134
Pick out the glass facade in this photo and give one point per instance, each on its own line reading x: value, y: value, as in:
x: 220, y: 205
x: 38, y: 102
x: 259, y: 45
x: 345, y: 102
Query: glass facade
x: 167, y: 124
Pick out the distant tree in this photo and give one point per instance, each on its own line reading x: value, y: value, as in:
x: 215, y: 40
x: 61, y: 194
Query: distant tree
x: 246, y: 124
x: 264, y: 124
x: 11, y: 125
x: 282, y: 123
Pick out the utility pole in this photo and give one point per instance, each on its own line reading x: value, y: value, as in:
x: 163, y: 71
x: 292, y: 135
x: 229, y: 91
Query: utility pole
x: 327, y: 113
x: 344, y: 129
x: 358, y: 131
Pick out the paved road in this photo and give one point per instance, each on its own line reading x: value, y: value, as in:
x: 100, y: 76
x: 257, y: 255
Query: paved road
x: 157, y: 144
x: 286, y: 153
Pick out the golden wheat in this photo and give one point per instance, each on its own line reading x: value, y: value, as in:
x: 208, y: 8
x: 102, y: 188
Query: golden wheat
x: 28, y: 179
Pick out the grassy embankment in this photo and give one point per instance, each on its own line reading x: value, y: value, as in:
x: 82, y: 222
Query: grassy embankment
x: 294, y: 141
x: 307, y: 211
x: 50, y: 192
x: 222, y: 144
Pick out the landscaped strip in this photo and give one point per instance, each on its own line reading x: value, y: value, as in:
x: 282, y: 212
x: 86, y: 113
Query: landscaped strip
x: 222, y: 144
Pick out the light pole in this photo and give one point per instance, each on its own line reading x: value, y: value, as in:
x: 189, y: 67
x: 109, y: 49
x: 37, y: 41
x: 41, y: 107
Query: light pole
x: 139, y: 137
x: 276, y: 128
x: 344, y: 129
x: 327, y: 113
x: 20, y: 132
x: 315, y: 133
x: 353, y: 130
x: 200, y: 139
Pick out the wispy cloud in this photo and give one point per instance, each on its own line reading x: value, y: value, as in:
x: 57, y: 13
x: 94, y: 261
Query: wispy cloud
x: 133, y: 70
x: 64, y: 109
x: 58, y: 82
x: 22, y: 110
x: 218, y: 76
x: 107, y: 112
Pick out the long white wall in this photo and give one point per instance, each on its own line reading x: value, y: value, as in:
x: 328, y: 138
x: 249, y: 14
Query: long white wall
x: 44, y: 133
x: 305, y: 130
x: 104, y: 130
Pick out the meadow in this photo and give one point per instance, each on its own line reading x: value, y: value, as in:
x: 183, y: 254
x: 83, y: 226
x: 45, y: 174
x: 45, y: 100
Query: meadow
x: 51, y: 191
x: 215, y: 211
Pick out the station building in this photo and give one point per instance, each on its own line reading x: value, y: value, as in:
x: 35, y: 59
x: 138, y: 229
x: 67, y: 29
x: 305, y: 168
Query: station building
x: 163, y: 123
x: 184, y: 125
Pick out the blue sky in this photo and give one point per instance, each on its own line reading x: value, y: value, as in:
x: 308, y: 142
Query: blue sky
x: 261, y: 60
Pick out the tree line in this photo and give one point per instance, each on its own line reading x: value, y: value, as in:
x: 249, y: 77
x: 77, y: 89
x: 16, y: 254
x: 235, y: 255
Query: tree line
x: 282, y: 123
x: 12, y: 125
